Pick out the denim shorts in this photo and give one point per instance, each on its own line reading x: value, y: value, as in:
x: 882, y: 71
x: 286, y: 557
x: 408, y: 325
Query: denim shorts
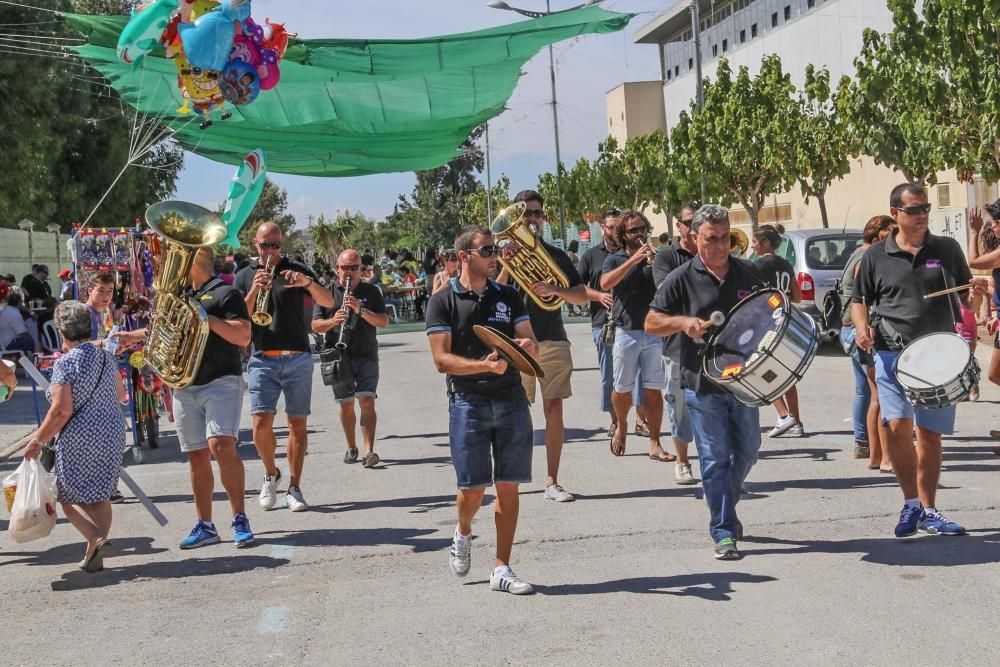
x: 894, y: 405
x: 269, y: 377
x: 635, y: 351
x: 364, y: 384
x: 491, y: 440
x: 211, y: 410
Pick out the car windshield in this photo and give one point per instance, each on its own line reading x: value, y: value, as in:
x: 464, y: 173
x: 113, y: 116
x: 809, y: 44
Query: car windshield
x: 830, y: 253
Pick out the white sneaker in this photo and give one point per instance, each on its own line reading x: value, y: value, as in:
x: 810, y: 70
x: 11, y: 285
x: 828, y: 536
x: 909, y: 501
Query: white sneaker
x: 797, y: 431
x: 558, y: 494
x: 504, y: 579
x: 683, y: 475
x: 461, y: 553
x: 784, y: 423
x: 269, y: 491
x: 294, y: 500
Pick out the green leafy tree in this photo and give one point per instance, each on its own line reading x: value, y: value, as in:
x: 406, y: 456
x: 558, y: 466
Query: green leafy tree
x: 271, y: 207
x: 474, y: 209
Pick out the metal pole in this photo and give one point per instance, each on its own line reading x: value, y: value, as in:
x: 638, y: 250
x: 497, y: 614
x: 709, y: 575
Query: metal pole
x: 700, y: 94
x: 555, y: 123
x: 489, y: 180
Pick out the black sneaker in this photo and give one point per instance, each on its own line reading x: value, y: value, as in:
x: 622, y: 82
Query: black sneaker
x: 117, y: 498
x: 726, y: 549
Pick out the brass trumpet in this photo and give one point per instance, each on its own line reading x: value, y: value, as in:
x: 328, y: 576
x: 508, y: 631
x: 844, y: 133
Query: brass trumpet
x: 652, y: 256
x: 260, y: 316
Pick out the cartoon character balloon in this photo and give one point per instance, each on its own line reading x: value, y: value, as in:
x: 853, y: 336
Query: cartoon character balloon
x: 143, y: 31
x: 244, y: 191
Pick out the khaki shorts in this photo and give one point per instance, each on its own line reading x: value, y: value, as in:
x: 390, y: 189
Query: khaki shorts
x: 556, y: 360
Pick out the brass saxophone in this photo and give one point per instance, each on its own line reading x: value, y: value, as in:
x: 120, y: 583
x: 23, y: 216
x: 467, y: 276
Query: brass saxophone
x: 522, y: 254
x: 178, y: 326
x: 260, y: 316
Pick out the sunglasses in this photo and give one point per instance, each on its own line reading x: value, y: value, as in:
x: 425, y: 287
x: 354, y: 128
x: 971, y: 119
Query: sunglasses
x: 349, y: 267
x: 485, y: 252
x: 917, y: 209
x: 636, y: 230
x: 534, y: 214
x: 269, y: 245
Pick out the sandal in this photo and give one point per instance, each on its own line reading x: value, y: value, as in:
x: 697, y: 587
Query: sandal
x: 663, y: 457
x: 612, y: 429
x: 641, y: 429
x: 351, y: 455
x: 371, y: 460
x: 617, y: 446
x: 96, y: 561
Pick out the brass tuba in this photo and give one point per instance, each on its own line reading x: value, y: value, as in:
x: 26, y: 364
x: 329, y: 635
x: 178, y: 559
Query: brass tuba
x: 522, y: 254
x: 178, y: 326
x: 738, y: 240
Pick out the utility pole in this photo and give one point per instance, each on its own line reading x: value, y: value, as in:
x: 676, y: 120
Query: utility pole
x: 555, y: 123
x: 489, y: 180
x: 700, y: 98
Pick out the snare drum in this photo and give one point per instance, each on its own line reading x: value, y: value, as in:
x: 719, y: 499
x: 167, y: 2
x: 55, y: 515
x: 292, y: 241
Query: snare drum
x: 762, y: 350
x: 937, y: 370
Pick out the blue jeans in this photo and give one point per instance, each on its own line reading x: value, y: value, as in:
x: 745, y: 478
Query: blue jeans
x: 862, y: 399
x: 727, y: 436
x: 606, y: 363
x: 677, y: 412
x: 491, y: 440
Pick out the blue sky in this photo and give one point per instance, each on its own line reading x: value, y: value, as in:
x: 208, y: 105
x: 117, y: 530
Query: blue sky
x: 521, y: 138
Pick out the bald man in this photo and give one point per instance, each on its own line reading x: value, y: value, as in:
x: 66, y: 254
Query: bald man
x: 280, y: 361
x: 360, y: 305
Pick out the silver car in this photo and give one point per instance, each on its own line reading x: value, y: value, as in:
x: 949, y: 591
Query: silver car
x: 818, y: 257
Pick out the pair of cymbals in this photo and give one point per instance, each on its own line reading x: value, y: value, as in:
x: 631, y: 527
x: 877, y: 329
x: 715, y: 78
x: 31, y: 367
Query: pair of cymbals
x: 511, y: 351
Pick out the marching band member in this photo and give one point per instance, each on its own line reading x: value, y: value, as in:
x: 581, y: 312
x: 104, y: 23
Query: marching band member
x: 489, y: 427
x: 629, y: 273
x: 667, y: 259
x: 363, y: 305
x: 726, y: 432
x: 893, y: 277
x: 554, y: 353
x: 280, y: 361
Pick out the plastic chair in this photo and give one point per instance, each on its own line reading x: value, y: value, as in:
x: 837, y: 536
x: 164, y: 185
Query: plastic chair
x: 389, y: 307
x: 51, y: 340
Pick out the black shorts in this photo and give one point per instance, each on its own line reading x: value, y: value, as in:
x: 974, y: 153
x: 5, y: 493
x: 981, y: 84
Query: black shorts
x: 364, y: 384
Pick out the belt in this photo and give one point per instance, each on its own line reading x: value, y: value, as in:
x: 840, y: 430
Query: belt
x: 280, y: 353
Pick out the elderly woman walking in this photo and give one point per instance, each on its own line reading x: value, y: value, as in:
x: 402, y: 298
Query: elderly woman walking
x: 85, y: 393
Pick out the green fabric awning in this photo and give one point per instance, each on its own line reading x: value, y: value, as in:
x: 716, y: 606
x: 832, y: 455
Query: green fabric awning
x: 350, y: 107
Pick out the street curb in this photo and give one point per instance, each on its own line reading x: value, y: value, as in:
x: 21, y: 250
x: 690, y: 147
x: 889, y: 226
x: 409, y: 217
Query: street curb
x: 16, y: 447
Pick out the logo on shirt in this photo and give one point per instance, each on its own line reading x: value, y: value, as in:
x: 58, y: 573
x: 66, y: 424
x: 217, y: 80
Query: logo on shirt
x: 502, y: 314
x: 933, y: 264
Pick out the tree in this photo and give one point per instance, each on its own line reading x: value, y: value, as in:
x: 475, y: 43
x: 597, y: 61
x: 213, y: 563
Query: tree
x: 823, y: 141
x: 271, y: 207
x: 743, y: 132
x: 474, y: 209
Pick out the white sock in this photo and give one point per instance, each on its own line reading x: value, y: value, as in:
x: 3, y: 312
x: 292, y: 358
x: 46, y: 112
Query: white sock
x: 912, y: 502
x: 501, y: 569
x: 930, y: 510
x: 459, y: 536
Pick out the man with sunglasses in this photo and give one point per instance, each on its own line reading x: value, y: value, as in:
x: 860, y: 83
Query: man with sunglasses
x: 635, y: 354
x: 893, y: 277
x: 365, y: 308
x: 489, y: 428
x: 553, y: 345
x: 280, y: 359
x: 668, y: 258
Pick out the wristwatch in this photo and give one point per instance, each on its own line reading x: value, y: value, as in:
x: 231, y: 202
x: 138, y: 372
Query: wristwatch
x: 362, y: 311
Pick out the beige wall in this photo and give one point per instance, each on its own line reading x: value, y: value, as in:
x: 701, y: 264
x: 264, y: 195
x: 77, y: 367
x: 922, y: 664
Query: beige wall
x: 17, y: 256
x: 635, y: 108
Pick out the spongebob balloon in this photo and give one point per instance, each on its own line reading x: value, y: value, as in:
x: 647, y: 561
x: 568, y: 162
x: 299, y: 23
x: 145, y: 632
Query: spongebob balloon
x: 201, y: 90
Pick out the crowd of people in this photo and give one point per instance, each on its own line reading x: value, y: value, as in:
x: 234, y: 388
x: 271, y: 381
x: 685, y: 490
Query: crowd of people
x: 651, y: 311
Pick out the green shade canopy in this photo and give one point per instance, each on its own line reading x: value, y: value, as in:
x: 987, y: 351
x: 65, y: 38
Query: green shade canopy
x: 350, y: 107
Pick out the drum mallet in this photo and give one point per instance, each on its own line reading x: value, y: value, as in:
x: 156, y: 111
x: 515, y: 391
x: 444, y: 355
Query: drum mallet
x: 950, y: 290
x: 716, y: 319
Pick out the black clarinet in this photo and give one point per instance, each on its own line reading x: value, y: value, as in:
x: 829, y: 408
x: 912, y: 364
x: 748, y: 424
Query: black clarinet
x: 347, y: 326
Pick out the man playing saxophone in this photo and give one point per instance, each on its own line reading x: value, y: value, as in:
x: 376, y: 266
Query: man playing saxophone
x: 362, y: 310
x: 280, y: 361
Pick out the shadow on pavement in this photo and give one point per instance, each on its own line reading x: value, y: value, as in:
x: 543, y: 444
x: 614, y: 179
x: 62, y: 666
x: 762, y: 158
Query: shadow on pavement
x: 440, y: 460
x: 712, y: 586
x: 816, y: 454
x: 66, y: 554
x: 417, y: 505
x: 414, y: 435
x: 191, y: 567
x: 979, y: 547
x: 356, y: 537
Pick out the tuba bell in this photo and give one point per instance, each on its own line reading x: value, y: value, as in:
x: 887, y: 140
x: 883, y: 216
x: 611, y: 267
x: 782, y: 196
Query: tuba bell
x: 522, y: 254
x: 178, y: 326
x: 738, y: 241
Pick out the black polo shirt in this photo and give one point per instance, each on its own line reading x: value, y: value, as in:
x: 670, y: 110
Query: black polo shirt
x: 221, y: 357
x: 694, y: 292
x: 456, y: 309
x: 633, y: 294
x: 591, y: 268
x: 288, y: 325
x: 778, y: 273
x: 362, y: 343
x: 548, y: 324
x: 667, y: 259
x: 895, y: 282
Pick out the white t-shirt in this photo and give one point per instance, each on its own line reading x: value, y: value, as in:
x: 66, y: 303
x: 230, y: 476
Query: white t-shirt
x: 11, y: 325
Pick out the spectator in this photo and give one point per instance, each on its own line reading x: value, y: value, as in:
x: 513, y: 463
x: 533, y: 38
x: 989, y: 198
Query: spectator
x: 34, y: 284
x: 407, y: 275
x: 68, y: 290
x: 85, y: 392
x: 14, y: 334
x: 448, y: 260
x: 665, y: 239
x: 241, y: 260
x: 228, y: 273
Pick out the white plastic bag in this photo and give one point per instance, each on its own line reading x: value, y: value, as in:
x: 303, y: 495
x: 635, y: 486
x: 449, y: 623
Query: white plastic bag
x: 34, y: 511
x: 9, y: 489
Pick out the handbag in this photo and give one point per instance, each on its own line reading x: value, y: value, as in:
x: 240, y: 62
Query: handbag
x: 48, y: 456
x: 335, y: 367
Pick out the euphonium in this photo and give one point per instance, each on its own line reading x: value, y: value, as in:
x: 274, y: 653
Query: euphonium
x: 738, y: 241
x: 260, y: 316
x: 178, y: 326
x: 522, y: 254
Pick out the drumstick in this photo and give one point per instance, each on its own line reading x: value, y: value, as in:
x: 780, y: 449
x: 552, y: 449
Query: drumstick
x: 950, y: 290
x: 717, y: 319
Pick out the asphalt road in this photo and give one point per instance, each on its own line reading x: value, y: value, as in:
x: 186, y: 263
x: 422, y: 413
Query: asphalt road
x: 623, y: 575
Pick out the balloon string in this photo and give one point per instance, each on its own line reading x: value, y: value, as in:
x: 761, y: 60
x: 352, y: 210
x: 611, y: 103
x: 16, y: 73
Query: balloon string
x: 41, y: 9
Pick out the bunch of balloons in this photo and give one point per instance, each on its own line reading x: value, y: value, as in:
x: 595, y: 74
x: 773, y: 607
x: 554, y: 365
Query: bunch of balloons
x: 222, y: 55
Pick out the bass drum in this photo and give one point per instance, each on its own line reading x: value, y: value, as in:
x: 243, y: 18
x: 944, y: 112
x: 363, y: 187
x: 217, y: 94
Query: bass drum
x: 937, y: 370
x: 763, y: 349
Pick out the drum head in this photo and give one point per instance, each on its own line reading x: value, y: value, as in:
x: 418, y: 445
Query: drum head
x: 933, y: 360
x: 752, y: 327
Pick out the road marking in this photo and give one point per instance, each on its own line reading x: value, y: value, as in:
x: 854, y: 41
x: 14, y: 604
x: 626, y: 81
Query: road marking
x: 282, y: 551
x: 272, y: 620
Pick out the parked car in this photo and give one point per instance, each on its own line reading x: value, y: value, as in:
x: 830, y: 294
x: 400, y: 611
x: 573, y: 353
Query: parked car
x: 818, y: 257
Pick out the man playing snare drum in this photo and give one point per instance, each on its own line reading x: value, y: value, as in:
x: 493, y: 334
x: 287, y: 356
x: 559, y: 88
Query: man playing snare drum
x: 893, y: 277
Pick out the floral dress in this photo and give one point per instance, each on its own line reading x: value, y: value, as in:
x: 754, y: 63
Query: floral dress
x: 89, y: 448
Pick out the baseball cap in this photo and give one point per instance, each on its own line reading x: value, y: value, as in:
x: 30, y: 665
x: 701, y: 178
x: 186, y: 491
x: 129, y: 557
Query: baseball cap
x: 65, y: 274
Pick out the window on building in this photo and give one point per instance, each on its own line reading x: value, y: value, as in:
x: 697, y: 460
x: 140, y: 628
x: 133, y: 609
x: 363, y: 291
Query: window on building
x: 670, y: 74
x: 810, y: 3
x: 743, y: 36
x: 753, y: 31
x: 677, y: 70
x: 788, y: 12
x: 774, y: 20
x: 944, y: 195
x: 690, y: 64
x: 725, y: 45
x: 715, y: 50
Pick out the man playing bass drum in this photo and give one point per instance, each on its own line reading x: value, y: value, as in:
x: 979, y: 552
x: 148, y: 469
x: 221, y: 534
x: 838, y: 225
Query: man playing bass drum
x: 363, y: 309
